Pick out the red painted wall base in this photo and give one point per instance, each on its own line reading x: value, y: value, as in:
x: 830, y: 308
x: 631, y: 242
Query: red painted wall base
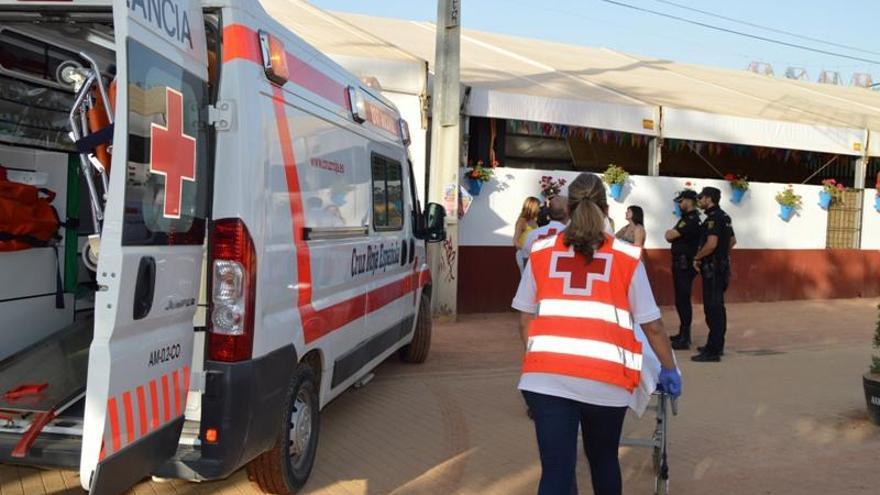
x: 488, y: 277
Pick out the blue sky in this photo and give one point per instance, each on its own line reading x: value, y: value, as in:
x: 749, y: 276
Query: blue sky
x: 597, y: 23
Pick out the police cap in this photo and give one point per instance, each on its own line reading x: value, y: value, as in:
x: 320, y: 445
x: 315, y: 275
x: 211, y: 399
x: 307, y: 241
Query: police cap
x: 686, y: 194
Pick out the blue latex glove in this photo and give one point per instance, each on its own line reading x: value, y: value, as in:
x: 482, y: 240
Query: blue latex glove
x: 670, y: 381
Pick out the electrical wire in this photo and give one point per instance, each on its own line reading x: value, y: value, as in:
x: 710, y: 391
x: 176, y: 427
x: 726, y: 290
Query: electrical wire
x: 740, y: 33
x: 766, y: 28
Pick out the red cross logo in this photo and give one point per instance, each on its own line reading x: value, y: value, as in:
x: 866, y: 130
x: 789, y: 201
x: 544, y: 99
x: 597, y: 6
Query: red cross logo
x: 172, y: 153
x: 577, y: 274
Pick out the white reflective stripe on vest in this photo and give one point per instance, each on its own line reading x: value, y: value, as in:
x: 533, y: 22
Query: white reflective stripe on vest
x: 627, y: 249
x: 585, y: 309
x: 585, y: 348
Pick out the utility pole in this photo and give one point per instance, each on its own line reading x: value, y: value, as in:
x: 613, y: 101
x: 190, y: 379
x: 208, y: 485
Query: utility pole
x: 445, y: 154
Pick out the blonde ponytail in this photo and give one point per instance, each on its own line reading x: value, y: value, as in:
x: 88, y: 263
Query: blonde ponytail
x: 587, y: 205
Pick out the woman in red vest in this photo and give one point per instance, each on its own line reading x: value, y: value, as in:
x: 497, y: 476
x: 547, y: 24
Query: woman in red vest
x: 580, y: 296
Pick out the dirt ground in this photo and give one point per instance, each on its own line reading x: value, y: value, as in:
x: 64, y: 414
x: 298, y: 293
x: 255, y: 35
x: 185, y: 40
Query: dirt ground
x: 784, y: 413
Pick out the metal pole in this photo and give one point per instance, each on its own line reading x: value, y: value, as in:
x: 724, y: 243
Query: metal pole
x: 445, y: 154
x: 861, y: 165
x: 655, y: 153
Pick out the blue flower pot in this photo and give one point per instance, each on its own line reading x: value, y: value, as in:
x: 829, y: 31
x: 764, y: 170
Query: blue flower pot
x: 824, y: 199
x: 737, y: 195
x: 877, y: 203
x: 786, y: 212
x: 676, y: 209
x: 616, y: 191
x: 475, y: 186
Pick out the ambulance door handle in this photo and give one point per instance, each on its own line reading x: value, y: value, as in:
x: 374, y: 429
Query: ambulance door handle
x: 403, y: 253
x: 145, y: 288
x: 412, y: 250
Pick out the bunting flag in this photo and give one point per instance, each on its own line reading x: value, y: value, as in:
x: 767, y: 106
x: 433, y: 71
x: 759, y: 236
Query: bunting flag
x: 623, y: 139
x: 545, y: 129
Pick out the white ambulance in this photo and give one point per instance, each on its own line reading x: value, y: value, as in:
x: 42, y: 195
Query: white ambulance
x: 249, y: 242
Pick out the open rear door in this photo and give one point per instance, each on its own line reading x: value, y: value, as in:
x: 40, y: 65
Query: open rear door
x: 150, y: 257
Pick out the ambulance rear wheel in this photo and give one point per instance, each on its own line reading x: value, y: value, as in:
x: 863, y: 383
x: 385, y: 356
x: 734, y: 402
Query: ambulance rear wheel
x: 285, y: 469
x: 417, y: 350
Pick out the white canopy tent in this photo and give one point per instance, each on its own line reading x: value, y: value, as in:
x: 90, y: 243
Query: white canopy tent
x: 518, y: 78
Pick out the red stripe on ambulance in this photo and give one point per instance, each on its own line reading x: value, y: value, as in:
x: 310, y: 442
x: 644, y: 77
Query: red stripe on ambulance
x: 166, y: 398
x: 142, y: 410
x: 242, y: 42
x: 154, y: 395
x: 113, y: 415
x: 129, y: 417
x: 134, y: 431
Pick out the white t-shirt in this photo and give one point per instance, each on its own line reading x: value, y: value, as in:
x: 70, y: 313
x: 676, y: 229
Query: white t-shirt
x: 643, y: 308
x: 554, y: 226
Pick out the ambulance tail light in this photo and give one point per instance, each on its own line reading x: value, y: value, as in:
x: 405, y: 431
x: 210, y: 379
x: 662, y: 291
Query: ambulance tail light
x: 404, y: 132
x: 233, y: 291
x: 274, y: 59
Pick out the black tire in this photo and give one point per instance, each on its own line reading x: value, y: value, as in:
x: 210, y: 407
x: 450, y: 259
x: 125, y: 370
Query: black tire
x: 281, y: 471
x: 416, y: 352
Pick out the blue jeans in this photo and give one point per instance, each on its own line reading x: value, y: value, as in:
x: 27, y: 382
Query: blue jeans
x: 556, y: 425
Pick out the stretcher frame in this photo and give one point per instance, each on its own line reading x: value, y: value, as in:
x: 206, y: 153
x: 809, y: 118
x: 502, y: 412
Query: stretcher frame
x: 659, y: 440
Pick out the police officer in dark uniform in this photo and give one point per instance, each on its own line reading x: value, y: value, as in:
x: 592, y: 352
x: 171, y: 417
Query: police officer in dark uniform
x: 685, y: 240
x: 713, y: 262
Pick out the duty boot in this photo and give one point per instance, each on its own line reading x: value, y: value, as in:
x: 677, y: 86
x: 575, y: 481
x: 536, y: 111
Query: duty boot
x: 702, y: 350
x: 706, y: 358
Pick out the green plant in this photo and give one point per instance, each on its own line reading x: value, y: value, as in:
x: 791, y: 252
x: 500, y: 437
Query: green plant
x: 614, y: 175
x: 875, y: 358
x: 481, y: 173
x: 740, y: 182
x: 787, y: 197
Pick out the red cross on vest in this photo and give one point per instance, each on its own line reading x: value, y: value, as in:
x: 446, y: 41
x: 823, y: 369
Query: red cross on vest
x: 550, y: 233
x: 172, y: 153
x: 579, y: 275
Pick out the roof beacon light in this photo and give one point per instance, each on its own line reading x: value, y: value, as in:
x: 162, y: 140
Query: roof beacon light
x: 358, y: 104
x: 274, y: 59
x: 404, y: 131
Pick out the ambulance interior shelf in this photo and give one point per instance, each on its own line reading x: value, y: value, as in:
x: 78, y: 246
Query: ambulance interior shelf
x: 56, y: 97
x: 34, y: 116
x: 34, y: 102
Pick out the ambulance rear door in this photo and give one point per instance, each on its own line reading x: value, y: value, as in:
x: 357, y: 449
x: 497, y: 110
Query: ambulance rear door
x: 150, y: 257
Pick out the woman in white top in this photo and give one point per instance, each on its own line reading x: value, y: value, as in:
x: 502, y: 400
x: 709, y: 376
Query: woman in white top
x: 580, y: 296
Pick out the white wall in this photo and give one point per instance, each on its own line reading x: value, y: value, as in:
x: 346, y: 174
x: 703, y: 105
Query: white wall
x: 489, y: 222
x: 870, y: 222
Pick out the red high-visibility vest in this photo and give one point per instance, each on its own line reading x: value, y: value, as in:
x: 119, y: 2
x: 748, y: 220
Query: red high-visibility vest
x: 583, y: 327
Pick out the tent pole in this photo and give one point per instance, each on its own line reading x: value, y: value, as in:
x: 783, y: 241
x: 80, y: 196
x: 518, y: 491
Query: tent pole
x: 861, y: 167
x: 655, y: 156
